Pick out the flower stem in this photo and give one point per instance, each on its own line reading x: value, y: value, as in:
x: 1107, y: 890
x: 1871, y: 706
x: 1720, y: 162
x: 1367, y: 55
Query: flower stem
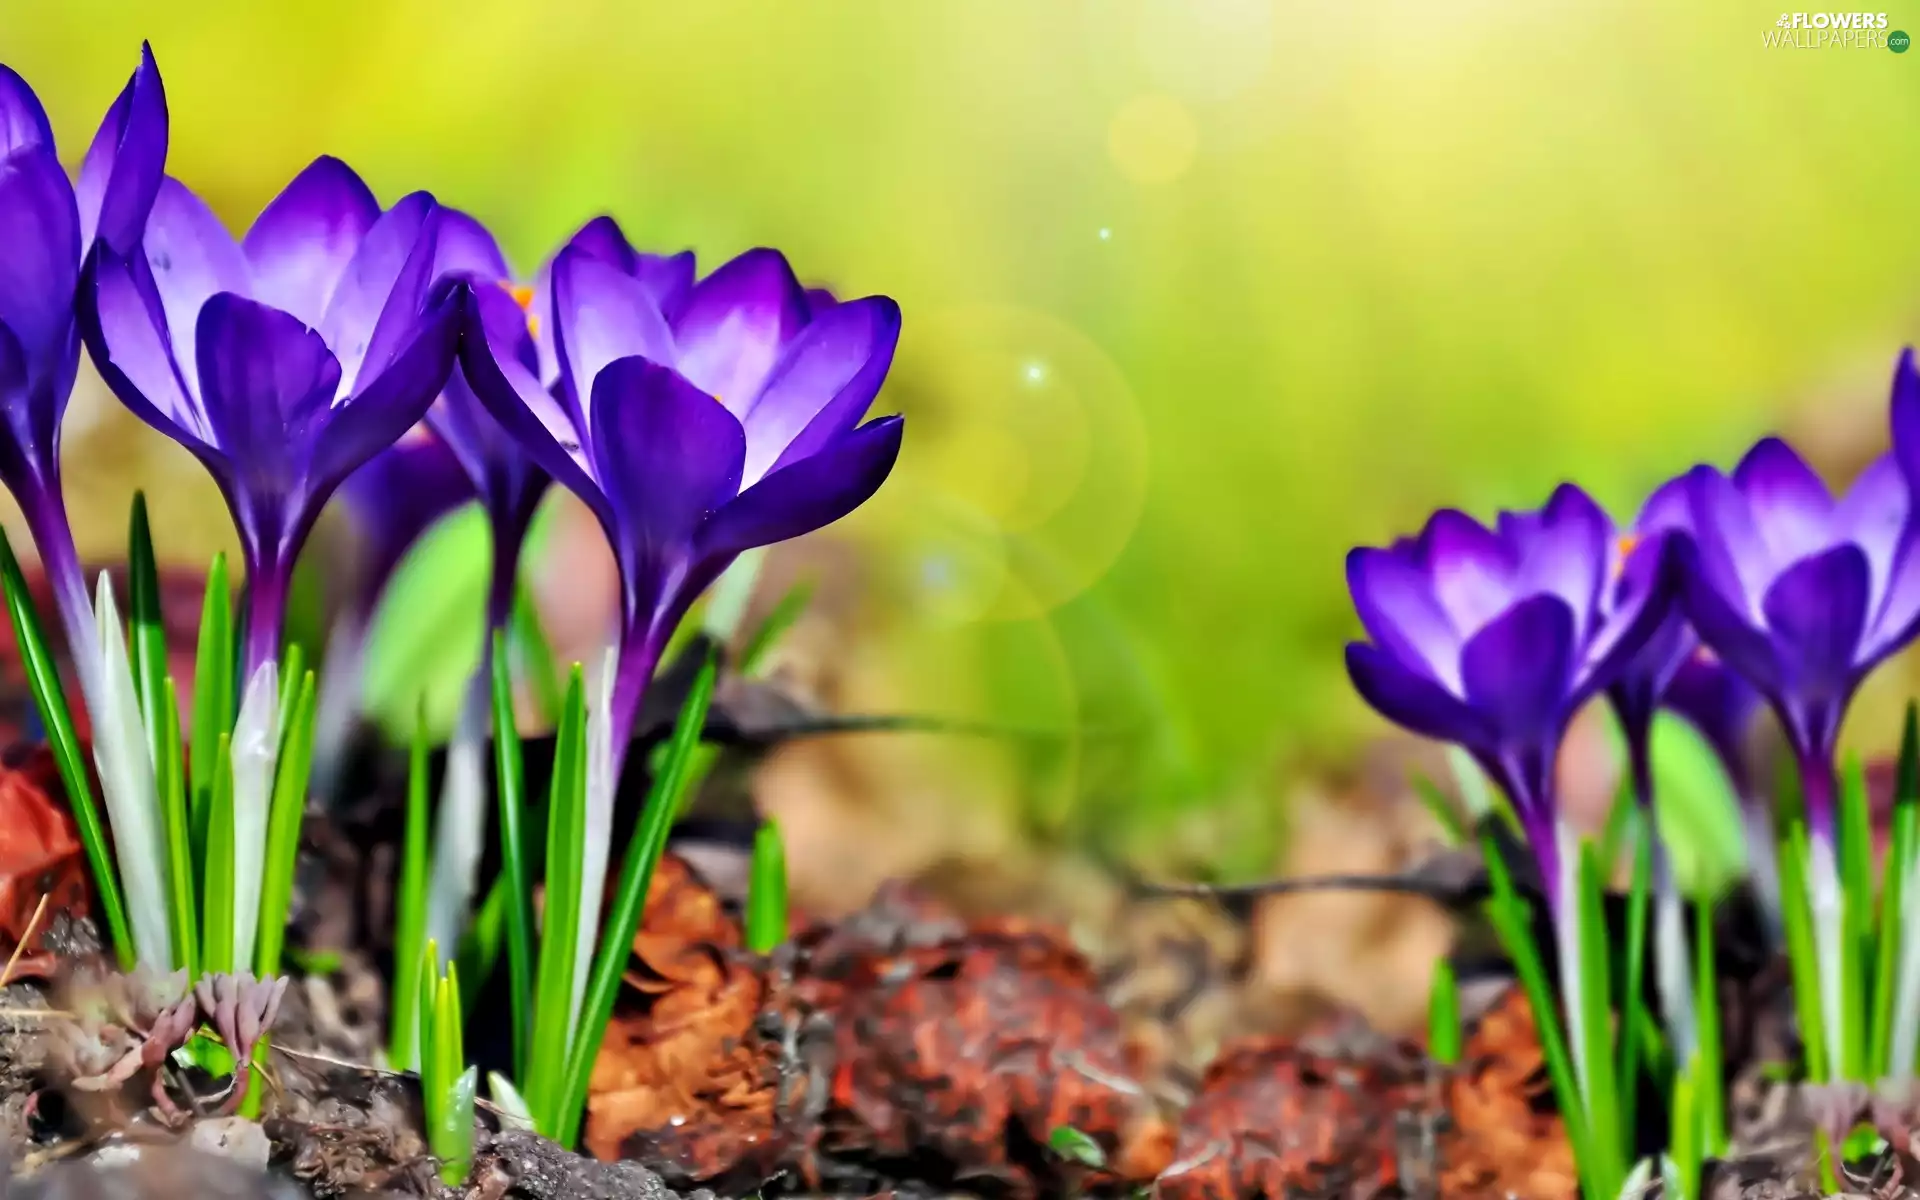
x: 45, y: 510
x: 266, y: 614
x: 640, y: 649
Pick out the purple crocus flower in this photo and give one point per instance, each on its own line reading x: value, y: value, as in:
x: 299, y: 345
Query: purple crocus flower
x: 1644, y: 678
x: 1721, y: 706
x: 284, y: 361
x: 1803, y: 594
x: 1493, y: 638
x: 695, y: 426
x: 391, y: 501
x: 48, y: 225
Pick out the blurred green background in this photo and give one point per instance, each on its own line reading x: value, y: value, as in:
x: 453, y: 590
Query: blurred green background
x: 1198, y: 293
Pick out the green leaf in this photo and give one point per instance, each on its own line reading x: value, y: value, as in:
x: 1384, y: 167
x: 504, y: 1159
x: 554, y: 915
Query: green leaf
x: 293, y: 670
x: 1634, y: 1016
x: 1607, y: 1140
x: 1709, y: 1067
x: 1453, y: 829
x: 553, y: 1018
x: 514, y: 1113
x: 1685, y: 1149
x: 183, y: 909
x: 1896, y: 979
x: 1802, y: 955
x: 1443, y: 1015
x: 1076, y: 1147
x: 147, y: 630
x: 535, y: 654
x: 1698, y: 811
x: 49, y: 698
x: 283, y: 827
x: 217, y: 882
x: 510, y: 785
x: 424, y: 638
x: 213, y: 683
x: 768, y: 633
x: 1509, y: 916
x: 1857, y: 894
x: 767, y: 890
x: 636, y: 874
x: 410, y: 909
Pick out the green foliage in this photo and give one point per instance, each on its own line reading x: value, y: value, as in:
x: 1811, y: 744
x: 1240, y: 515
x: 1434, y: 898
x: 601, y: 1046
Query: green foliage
x: 447, y: 1083
x: 766, y: 923
x: 410, y: 907
x: 1443, y: 1015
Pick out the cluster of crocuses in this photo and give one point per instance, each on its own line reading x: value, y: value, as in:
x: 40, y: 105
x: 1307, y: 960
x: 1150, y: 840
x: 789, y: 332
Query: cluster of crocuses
x: 697, y: 416
x: 1726, y: 590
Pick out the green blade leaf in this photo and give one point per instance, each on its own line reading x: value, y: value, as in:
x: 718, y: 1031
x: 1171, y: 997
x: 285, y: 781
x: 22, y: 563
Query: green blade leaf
x: 217, y: 875
x: 1443, y: 1015
x: 1897, y: 979
x: 213, y: 672
x: 629, y: 904
x: 1857, y: 893
x: 766, y: 924
x: 559, y: 930
x: 410, y: 910
x: 768, y: 633
x: 43, y: 680
x: 535, y: 653
x: 1634, y: 1017
x: 1607, y: 1140
x: 184, y: 913
x: 1453, y: 827
x: 510, y: 785
x: 1709, y: 1067
x: 147, y: 631
x: 283, y: 828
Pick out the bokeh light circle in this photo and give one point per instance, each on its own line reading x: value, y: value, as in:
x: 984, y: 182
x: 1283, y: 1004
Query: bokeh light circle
x: 1025, y: 462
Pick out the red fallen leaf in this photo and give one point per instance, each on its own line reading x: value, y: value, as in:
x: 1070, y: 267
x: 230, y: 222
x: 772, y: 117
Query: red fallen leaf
x: 898, y: 1032
x: 40, y: 855
x: 1507, y: 1139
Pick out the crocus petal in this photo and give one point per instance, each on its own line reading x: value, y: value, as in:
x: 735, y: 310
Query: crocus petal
x: 121, y: 173
x: 1395, y: 601
x: 191, y: 256
x: 301, y: 243
x: 466, y: 246
x: 1872, y: 515
x: 1905, y: 416
x: 1722, y: 623
x: 1817, y: 612
x: 1717, y: 702
x: 123, y: 323
x: 1732, y: 556
x: 1518, y: 670
x: 1568, y: 557
x: 529, y: 412
x: 265, y: 381
x: 811, y: 493
x: 39, y: 252
x: 1666, y: 510
x: 1896, y: 619
x: 379, y: 298
x: 823, y: 384
x: 1472, y: 569
x: 600, y: 315
x: 394, y: 401
x: 1791, y: 508
x: 735, y: 323
x: 1411, y: 700
x: 23, y: 122
x: 666, y: 278
x: 1641, y: 603
x: 666, y: 453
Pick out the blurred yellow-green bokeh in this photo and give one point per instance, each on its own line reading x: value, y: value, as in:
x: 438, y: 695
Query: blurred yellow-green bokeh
x: 1198, y: 293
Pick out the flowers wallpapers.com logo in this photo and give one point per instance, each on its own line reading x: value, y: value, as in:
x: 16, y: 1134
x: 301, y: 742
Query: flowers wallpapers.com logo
x: 1835, y: 31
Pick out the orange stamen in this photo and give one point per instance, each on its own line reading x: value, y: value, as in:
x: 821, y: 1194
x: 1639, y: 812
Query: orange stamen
x: 521, y: 293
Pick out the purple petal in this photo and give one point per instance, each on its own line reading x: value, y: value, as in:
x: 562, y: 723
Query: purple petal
x: 1722, y: 623
x: 466, y: 247
x: 393, y: 401
x: 666, y: 278
x: 1896, y: 617
x: 1568, y: 557
x: 124, y: 326
x: 1731, y: 554
x: 1395, y: 601
x: 23, y: 122
x: 301, y: 243
x: 1668, y: 508
x: 811, y: 493
x: 376, y: 307
x: 527, y: 411
x: 191, y: 256
x: 823, y: 385
x: 1518, y: 670
x: 1905, y: 415
x: 601, y: 315
x: 1641, y: 602
x: 266, y: 381
x: 1872, y: 515
x: 1721, y: 705
x: 667, y: 454
x: 735, y: 324
x: 1817, y: 612
x: 819, y: 300
x: 1472, y: 569
x: 122, y: 171
x: 39, y: 253
x: 1413, y: 701
x: 1792, y: 509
